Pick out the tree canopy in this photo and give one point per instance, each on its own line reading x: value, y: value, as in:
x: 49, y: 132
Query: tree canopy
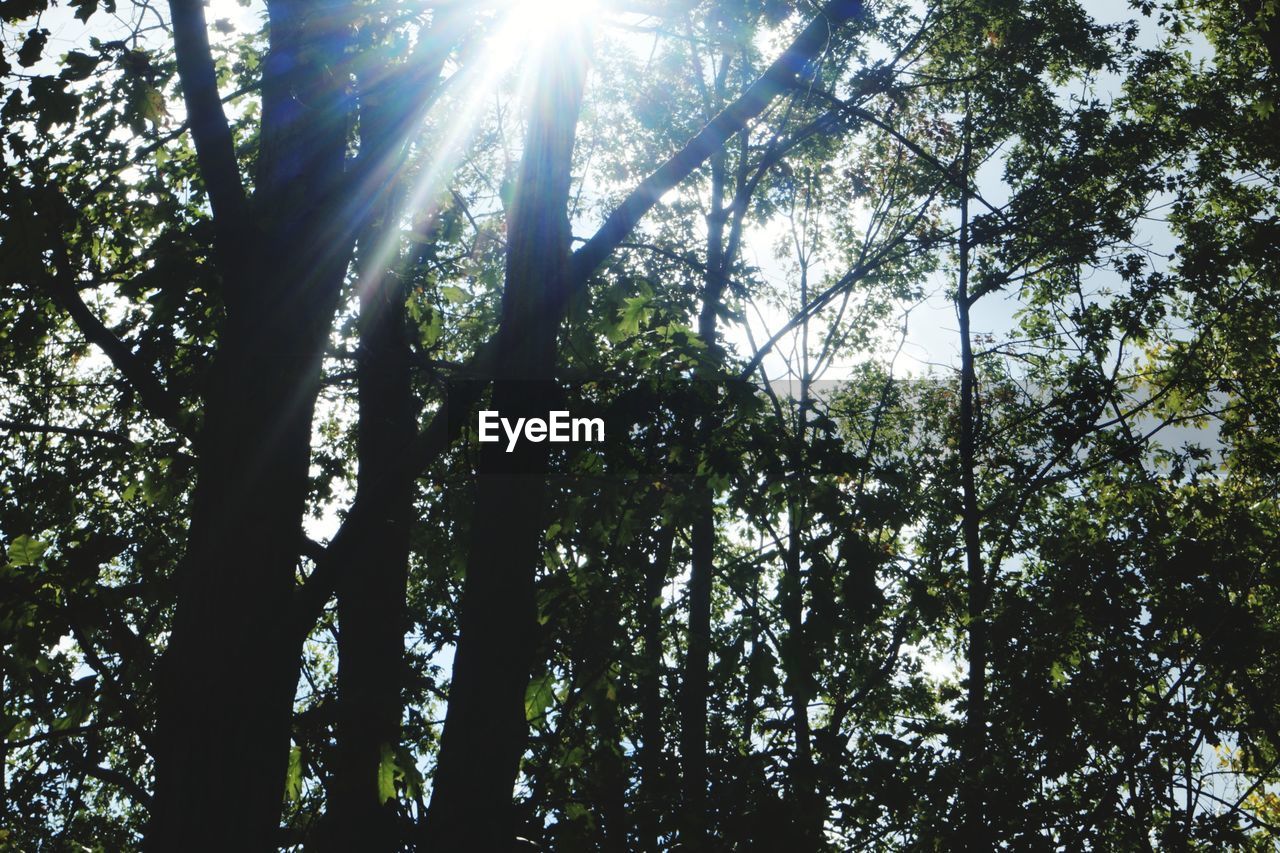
x: 936, y: 349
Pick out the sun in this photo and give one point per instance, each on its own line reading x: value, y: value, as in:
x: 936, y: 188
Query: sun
x: 536, y: 22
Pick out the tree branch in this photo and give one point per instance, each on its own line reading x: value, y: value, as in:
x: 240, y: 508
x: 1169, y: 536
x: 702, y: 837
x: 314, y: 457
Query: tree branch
x: 78, y: 432
x: 121, y: 780
x: 777, y: 79
x: 155, y: 397
x: 849, y: 279
x: 215, y: 151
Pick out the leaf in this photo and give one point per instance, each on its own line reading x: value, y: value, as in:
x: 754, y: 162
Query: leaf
x: 153, y: 107
x: 78, y: 66
x: 635, y: 310
x: 387, y: 775
x: 293, y: 780
x: 430, y: 331
x: 453, y: 294
x: 77, y: 712
x: 24, y: 550
x: 539, y: 696
x: 29, y: 53
x: 17, y: 10
x: 84, y: 8
x: 410, y: 777
x: 53, y: 103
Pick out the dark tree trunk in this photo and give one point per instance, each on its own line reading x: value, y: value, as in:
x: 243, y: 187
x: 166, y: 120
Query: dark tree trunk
x: 485, y: 727
x: 371, y: 586
x: 974, y: 741
x: 607, y: 785
x: 798, y: 661
x: 374, y: 552
x: 696, y: 688
x: 231, y: 667
x: 798, y: 666
x: 651, y: 803
x: 230, y: 671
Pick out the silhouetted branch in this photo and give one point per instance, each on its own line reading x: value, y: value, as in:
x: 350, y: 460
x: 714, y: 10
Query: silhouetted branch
x: 155, y: 397
x: 78, y: 432
x: 215, y: 151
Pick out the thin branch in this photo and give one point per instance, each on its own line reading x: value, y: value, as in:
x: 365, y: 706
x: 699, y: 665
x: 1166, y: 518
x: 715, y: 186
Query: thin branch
x: 215, y: 150
x: 155, y: 397
x: 779, y: 77
x: 121, y: 780
x: 78, y: 432
x: 849, y: 279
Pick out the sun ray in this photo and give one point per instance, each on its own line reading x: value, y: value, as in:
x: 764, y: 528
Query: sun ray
x: 524, y: 31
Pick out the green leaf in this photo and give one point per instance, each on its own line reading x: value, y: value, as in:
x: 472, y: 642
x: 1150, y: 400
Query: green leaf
x: 454, y: 294
x: 293, y: 780
x: 410, y: 778
x: 430, y: 331
x: 153, y: 106
x: 387, y: 775
x: 77, y: 712
x: 24, y: 550
x: 539, y: 696
x: 635, y: 310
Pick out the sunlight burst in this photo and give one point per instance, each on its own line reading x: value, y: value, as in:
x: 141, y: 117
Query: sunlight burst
x: 537, y: 22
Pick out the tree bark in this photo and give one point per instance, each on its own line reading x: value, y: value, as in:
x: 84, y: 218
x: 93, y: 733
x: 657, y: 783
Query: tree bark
x: 485, y: 727
x: 230, y: 671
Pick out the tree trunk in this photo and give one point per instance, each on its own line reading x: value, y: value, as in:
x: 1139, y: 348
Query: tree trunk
x: 371, y: 586
x: 607, y: 785
x: 973, y: 746
x: 798, y: 666
x: 374, y: 553
x: 230, y: 671
x: 696, y: 688
x: 231, y: 667
x: 649, y: 808
x: 485, y: 727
